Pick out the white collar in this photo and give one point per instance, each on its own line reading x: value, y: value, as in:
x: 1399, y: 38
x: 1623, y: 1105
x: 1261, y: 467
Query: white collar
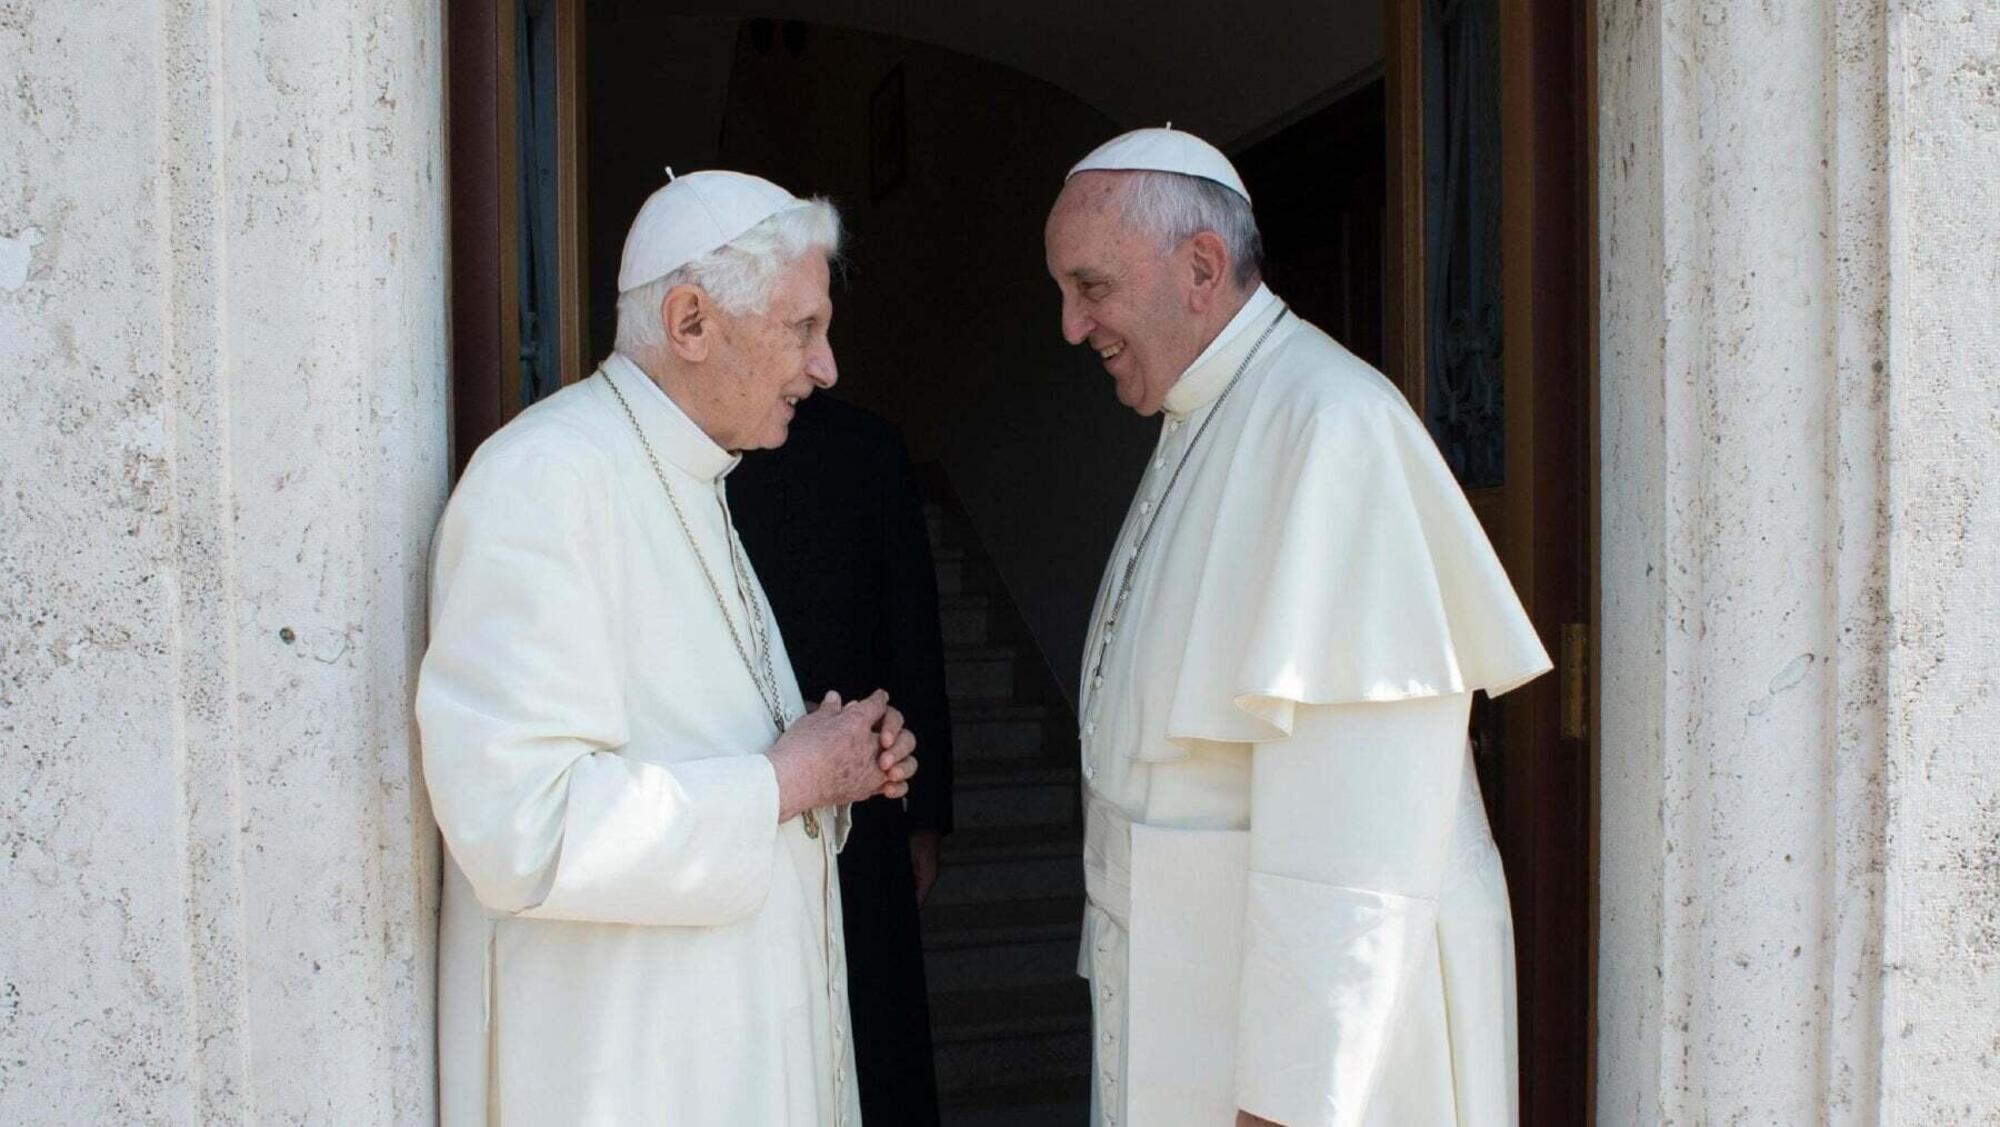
x: 676, y: 436
x: 1204, y: 379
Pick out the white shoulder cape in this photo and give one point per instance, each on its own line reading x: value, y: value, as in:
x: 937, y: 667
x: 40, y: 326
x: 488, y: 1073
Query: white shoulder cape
x: 1343, y: 563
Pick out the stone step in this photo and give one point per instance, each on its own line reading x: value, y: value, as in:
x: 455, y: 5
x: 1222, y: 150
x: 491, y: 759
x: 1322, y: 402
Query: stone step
x: 1063, y: 1102
x: 1010, y: 966
x: 961, y: 572
x: 1018, y: 944
x: 1005, y: 732
x: 1015, y: 795
x: 1045, y: 1057
x: 967, y: 620
x: 982, y: 673
x: 948, y: 527
x: 983, y: 925
x: 1037, y: 1036
x: 1010, y: 1019
x: 1005, y: 863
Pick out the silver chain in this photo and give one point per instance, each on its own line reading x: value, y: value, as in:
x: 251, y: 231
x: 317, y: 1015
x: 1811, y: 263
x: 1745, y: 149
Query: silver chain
x: 765, y: 678
x: 1160, y: 505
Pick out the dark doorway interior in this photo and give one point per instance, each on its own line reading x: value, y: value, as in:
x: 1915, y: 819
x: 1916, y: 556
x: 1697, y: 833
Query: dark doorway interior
x: 1321, y: 189
x: 943, y: 135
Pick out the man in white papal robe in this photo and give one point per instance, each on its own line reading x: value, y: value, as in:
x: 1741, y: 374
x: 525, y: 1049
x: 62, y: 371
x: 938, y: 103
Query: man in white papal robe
x: 1296, y: 913
x: 640, y: 922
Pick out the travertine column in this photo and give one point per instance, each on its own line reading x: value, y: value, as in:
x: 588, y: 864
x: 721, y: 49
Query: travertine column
x: 1800, y: 866
x: 222, y: 316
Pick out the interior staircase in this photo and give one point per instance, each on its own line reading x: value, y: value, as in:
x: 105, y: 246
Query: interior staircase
x: 1010, y: 1020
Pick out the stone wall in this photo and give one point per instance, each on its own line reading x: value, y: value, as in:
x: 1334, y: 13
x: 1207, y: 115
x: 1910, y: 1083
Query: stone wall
x: 222, y: 320
x: 222, y: 446
x: 1800, y: 868
x: 1941, y: 895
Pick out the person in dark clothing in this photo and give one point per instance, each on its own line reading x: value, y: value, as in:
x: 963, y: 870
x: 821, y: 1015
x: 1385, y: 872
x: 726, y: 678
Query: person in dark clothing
x: 835, y: 530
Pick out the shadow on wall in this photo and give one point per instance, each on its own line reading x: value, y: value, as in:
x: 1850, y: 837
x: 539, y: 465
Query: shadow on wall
x: 1046, y: 462
x: 947, y: 324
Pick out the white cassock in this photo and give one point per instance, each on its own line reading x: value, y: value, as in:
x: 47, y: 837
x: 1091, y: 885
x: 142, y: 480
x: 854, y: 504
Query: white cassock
x: 628, y: 935
x: 1291, y: 879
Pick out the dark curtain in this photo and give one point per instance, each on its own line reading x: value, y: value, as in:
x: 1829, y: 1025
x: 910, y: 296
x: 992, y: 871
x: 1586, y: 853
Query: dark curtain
x: 1462, y: 237
x: 535, y: 71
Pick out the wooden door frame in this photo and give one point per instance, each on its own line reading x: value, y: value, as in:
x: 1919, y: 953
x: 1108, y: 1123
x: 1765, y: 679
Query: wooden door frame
x: 1544, y: 523
x: 483, y: 166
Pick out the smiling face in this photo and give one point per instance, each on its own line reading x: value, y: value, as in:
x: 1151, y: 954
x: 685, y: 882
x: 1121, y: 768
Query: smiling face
x: 762, y: 364
x: 1131, y: 303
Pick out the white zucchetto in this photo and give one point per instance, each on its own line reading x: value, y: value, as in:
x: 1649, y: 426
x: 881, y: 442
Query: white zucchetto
x: 692, y: 215
x: 1163, y: 150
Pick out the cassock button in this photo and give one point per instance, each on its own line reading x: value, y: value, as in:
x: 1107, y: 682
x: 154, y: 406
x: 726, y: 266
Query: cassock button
x: 1145, y: 507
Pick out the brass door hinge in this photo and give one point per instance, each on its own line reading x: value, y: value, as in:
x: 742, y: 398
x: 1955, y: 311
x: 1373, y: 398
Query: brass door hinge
x: 1575, y: 713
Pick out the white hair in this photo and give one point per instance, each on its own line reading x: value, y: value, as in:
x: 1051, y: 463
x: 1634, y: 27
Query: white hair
x: 739, y: 275
x: 1172, y: 208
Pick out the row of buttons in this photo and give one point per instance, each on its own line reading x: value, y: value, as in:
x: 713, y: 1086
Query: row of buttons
x: 1146, y: 504
x: 1108, y: 1019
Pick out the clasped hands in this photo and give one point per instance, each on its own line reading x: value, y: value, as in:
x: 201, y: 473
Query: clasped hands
x: 843, y: 753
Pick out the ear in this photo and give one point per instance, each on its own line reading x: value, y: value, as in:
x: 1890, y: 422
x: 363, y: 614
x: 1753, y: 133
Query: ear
x: 688, y: 316
x: 1208, y: 268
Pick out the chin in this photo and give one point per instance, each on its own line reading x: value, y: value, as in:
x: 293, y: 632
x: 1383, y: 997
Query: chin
x: 1132, y: 394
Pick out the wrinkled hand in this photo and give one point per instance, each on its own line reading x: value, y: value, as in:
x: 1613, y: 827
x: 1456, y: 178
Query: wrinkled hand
x: 898, y: 759
x: 926, y: 858
x: 841, y: 753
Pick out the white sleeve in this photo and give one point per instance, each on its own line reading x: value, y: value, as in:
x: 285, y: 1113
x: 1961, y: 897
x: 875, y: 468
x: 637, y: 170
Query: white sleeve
x: 520, y: 706
x: 1350, y: 820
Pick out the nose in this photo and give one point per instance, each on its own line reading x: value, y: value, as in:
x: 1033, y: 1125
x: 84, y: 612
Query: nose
x: 820, y: 368
x: 1075, y: 325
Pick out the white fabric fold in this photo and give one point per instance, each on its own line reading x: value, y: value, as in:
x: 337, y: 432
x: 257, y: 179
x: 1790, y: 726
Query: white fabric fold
x: 542, y: 797
x: 1325, y: 973
x: 1315, y: 550
x: 1350, y: 834
x: 1308, y: 621
x: 1341, y: 564
x: 1186, y: 947
x: 627, y: 933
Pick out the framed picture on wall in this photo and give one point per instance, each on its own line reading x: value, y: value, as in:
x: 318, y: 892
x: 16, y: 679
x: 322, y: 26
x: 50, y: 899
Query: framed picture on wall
x: 888, y: 135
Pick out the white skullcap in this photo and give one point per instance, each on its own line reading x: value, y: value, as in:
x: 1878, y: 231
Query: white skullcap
x: 1163, y: 150
x: 692, y: 215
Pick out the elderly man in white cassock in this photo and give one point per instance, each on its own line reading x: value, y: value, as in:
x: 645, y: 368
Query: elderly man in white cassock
x: 1296, y: 913
x: 641, y: 911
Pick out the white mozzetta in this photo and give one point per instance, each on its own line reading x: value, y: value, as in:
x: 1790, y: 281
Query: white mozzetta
x: 1291, y: 881
x: 224, y: 439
